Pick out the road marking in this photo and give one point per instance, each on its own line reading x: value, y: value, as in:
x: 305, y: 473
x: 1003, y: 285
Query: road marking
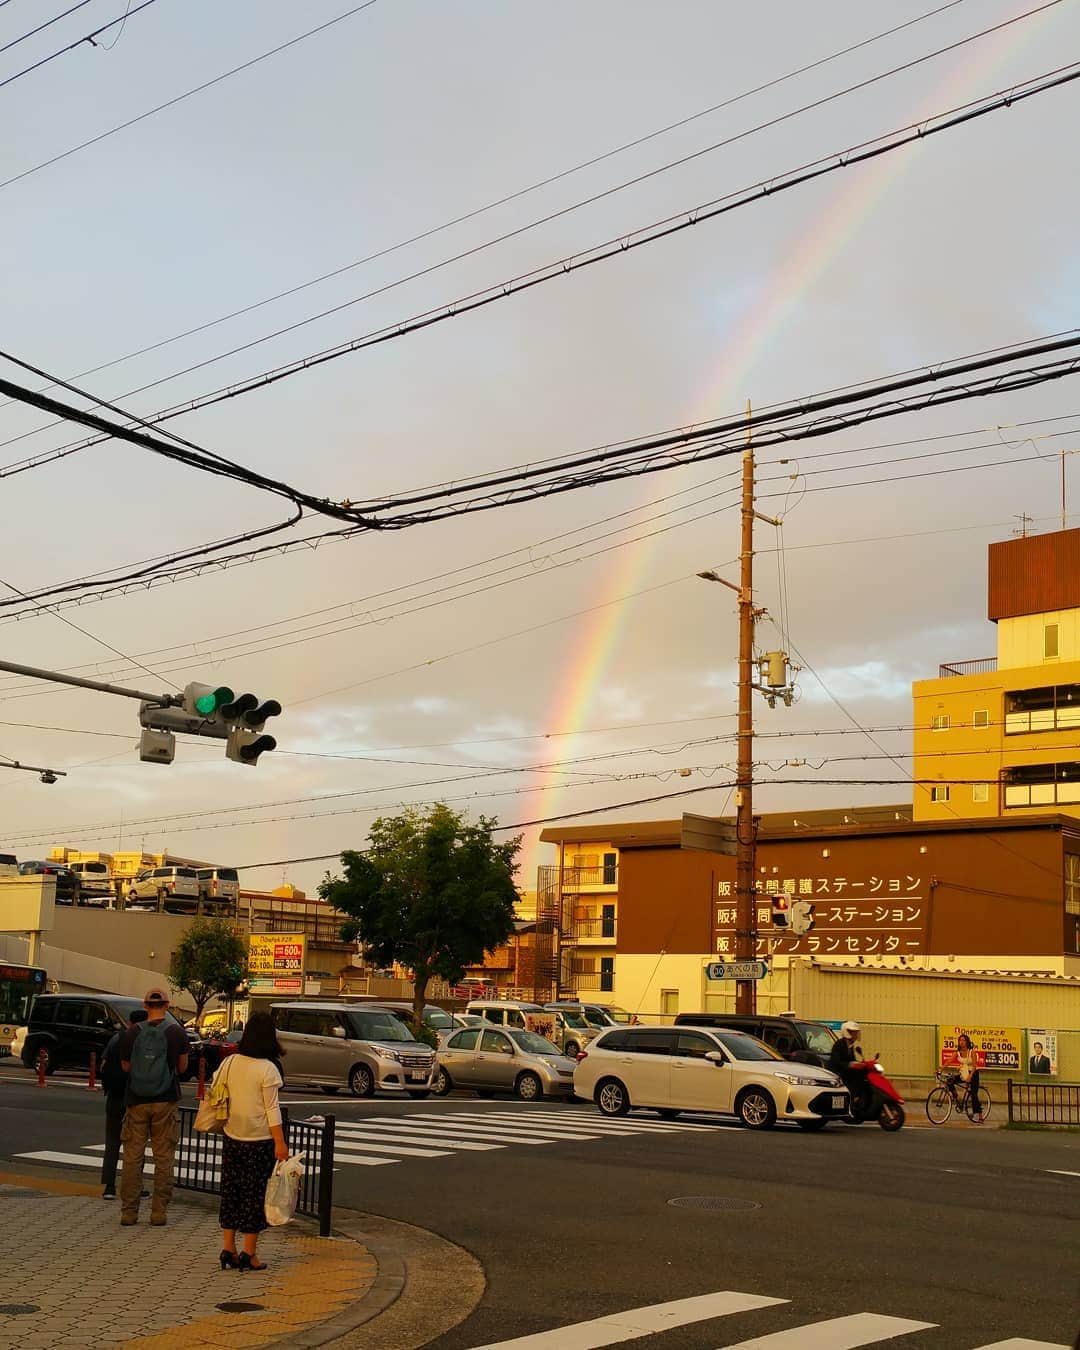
x: 362, y: 1159
x: 838, y: 1333
x: 595, y: 1124
x: 1022, y: 1343
x: 360, y: 1133
x: 507, y: 1128
x: 629, y: 1121
x: 391, y: 1148
x: 637, y: 1322
x: 1059, y: 1172
x: 88, y: 1160
x: 482, y: 1132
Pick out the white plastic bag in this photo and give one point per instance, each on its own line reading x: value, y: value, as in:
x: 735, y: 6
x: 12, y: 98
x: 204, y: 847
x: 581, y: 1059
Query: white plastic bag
x: 282, y: 1190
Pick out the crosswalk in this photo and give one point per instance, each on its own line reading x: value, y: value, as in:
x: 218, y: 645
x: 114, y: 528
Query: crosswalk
x: 833, y: 1333
x: 382, y: 1140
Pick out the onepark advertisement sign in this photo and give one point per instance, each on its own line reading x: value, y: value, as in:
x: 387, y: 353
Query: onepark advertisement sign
x: 276, y: 963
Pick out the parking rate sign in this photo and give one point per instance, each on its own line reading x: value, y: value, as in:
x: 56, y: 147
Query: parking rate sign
x: 276, y: 955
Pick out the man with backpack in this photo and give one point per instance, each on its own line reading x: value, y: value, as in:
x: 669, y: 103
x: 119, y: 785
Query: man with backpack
x: 154, y: 1053
x: 114, y: 1084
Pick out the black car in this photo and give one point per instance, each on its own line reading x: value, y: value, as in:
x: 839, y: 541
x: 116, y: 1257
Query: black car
x: 796, y: 1038
x: 67, y: 883
x: 69, y: 1026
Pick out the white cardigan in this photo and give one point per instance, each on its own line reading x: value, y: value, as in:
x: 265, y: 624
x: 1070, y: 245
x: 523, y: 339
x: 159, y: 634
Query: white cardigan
x: 253, y: 1096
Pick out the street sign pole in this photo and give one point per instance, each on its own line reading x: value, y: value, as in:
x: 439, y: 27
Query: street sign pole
x: 745, y: 826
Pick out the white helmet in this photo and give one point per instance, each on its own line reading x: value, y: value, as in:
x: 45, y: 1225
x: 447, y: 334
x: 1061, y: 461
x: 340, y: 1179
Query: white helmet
x: 851, y: 1029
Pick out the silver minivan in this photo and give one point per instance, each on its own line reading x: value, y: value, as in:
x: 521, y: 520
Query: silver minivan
x: 367, y: 1050
x: 174, y: 889
x: 95, y: 882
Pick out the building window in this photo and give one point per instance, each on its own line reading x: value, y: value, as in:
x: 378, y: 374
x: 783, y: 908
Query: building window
x: 1053, y: 708
x: 980, y: 792
x: 610, y: 862
x: 607, y: 974
x: 940, y: 723
x: 980, y: 718
x: 607, y: 921
x: 1041, y: 785
x: 940, y: 792
x: 669, y: 1002
x: 1072, y: 903
x: 1050, y: 641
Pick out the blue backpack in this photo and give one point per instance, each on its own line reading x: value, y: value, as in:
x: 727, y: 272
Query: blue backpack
x: 151, y: 1073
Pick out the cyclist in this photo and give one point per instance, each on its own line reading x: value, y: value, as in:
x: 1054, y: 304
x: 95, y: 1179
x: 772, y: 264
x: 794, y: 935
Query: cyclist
x: 969, y: 1073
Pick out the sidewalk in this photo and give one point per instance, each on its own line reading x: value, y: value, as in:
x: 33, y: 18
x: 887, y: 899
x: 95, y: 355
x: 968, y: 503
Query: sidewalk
x: 76, y: 1280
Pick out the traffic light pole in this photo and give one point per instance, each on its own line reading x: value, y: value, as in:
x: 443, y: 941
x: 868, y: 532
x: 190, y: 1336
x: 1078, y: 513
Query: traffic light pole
x: 745, y: 826
x: 56, y: 677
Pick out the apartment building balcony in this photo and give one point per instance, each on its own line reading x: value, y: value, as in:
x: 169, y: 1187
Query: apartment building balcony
x: 983, y: 665
x: 579, y: 880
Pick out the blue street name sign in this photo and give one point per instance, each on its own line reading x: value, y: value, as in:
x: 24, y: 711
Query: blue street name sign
x: 736, y: 970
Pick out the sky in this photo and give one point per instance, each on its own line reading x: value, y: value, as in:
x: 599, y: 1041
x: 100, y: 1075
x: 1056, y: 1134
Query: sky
x: 542, y: 659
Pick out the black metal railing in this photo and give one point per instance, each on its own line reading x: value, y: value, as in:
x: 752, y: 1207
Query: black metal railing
x: 198, y: 1162
x: 1044, y: 1103
x: 981, y: 666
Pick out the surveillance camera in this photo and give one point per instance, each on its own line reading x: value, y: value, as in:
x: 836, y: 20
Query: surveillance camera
x: 48, y: 776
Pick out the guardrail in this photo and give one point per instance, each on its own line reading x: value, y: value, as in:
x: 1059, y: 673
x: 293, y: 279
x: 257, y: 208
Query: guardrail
x: 1044, y: 1103
x: 198, y: 1162
x: 980, y: 666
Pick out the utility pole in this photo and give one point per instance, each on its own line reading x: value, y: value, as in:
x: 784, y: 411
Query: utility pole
x: 745, y: 825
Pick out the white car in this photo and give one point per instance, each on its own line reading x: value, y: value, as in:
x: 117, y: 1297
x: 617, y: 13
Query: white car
x: 675, y: 1069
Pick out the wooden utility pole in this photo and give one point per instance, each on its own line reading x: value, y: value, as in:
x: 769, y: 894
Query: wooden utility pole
x: 745, y: 827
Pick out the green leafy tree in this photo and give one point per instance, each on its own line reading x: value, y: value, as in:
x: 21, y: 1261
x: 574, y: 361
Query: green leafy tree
x: 209, y: 960
x: 433, y: 891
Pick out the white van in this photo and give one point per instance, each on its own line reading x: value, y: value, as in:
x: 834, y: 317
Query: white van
x: 95, y: 882
x: 173, y: 889
x: 219, y: 886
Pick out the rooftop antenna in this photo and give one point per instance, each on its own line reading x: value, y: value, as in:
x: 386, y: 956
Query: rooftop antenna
x: 1025, y: 520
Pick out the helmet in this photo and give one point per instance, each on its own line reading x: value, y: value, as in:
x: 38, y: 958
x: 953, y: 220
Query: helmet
x: 851, y: 1029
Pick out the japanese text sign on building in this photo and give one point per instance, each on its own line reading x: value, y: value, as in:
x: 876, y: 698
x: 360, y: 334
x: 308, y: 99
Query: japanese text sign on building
x: 276, y: 954
x: 992, y: 1047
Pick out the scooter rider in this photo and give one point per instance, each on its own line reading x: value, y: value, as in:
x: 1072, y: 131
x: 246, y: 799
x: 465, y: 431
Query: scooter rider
x: 843, y: 1054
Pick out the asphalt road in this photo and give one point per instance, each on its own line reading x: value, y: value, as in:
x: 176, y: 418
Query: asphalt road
x: 976, y: 1232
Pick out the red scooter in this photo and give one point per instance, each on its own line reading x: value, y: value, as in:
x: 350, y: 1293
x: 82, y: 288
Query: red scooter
x: 878, y: 1099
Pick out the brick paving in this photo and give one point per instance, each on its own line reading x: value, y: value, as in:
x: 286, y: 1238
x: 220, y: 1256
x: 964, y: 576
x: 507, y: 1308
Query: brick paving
x: 85, y: 1282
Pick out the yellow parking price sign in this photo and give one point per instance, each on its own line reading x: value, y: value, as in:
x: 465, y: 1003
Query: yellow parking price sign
x: 993, y: 1047
x: 276, y: 955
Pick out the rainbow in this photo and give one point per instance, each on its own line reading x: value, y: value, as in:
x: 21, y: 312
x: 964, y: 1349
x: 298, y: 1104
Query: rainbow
x: 583, y: 672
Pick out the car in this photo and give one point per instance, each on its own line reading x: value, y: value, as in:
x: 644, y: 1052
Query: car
x: 675, y: 1069
x: 504, y: 1059
x: 794, y: 1038
x: 9, y: 865
x: 598, y: 1015
x: 95, y: 883
x: 67, y: 883
x: 366, y: 1049
x: 68, y: 1027
x: 172, y: 889
x: 436, y: 1019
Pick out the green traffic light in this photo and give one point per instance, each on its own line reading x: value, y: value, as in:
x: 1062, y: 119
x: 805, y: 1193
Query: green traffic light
x: 208, y: 704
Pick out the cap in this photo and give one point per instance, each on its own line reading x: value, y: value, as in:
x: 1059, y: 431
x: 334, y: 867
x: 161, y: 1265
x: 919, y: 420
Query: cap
x: 156, y: 998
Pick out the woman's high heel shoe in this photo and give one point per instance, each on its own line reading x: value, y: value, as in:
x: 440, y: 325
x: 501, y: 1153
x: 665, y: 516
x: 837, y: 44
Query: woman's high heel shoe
x: 248, y: 1263
x: 227, y: 1259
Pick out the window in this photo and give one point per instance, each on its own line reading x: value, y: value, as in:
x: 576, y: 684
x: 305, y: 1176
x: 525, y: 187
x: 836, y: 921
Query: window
x: 71, y: 1013
x: 650, y: 1042
x: 515, y: 1019
x: 97, y: 1015
x: 980, y: 792
x: 1041, y: 785
x: 465, y: 1040
x: 614, y: 1040
x: 693, y: 1043
x: 610, y: 861
x: 940, y: 792
x: 980, y: 718
x: 305, y: 1023
x: 1054, y: 708
x: 1072, y: 903
x: 496, y: 1043
x: 940, y: 722
x: 1050, y: 641
x: 669, y: 1002
x: 607, y: 921
x: 607, y: 974
x: 781, y: 1039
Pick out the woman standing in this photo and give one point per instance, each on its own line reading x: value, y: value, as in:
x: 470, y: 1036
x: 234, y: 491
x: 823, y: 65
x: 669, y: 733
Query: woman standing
x: 253, y: 1139
x: 965, y: 1058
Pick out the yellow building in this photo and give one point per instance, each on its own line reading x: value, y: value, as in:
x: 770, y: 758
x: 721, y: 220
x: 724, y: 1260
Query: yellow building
x: 1001, y: 735
x: 580, y: 895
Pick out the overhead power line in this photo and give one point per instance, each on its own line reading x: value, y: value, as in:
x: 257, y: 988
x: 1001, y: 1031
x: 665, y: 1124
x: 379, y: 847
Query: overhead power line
x: 87, y: 37
x: 42, y: 26
x: 805, y: 173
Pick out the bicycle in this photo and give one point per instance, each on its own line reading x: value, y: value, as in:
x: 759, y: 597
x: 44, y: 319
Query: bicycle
x: 941, y: 1100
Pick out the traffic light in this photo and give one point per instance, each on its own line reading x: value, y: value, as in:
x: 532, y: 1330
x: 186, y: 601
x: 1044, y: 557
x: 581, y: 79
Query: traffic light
x: 249, y: 717
x: 208, y: 710
x: 203, y: 700
x: 246, y: 746
x: 802, y: 917
x: 780, y: 915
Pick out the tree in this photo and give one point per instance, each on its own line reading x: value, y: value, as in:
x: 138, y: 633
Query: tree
x: 210, y: 959
x: 432, y: 891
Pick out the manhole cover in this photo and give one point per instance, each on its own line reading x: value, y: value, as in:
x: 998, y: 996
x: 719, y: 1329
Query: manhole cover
x: 18, y: 1309
x: 712, y: 1202
x: 240, y: 1307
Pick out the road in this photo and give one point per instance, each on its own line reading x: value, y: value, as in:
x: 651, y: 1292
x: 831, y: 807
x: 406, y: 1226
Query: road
x: 969, y: 1238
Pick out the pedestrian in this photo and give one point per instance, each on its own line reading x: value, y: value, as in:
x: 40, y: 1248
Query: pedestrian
x: 968, y: 1064
x: 114, y: 1082
x: 154, y: 1054
x: 253, y: 1140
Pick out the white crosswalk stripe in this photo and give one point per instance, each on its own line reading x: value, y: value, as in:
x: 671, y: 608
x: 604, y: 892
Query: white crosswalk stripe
x: 834, y: 1333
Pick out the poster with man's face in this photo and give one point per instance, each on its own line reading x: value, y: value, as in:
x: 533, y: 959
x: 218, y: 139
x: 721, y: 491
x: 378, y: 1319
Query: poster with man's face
x: 1042, y: 1052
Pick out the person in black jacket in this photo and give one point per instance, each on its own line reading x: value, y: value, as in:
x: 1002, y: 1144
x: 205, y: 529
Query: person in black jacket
x: 843, y: 1054
x: 114, y: 1083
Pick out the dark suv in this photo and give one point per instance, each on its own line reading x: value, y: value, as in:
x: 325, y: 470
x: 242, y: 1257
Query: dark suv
x: 69, y: 1026
x: 796, y: 1038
